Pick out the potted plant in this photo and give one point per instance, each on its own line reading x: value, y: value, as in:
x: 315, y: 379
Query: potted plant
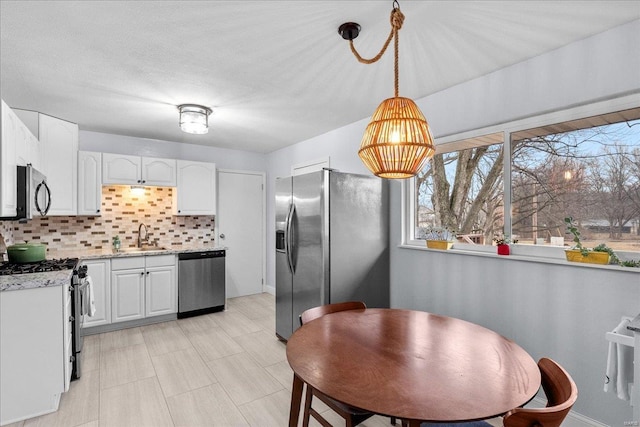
x: 440, y: 238
x: 601, y: 254
x: 502, y: 242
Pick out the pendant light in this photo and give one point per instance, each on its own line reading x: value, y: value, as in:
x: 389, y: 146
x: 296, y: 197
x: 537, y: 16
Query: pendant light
x: 194, y: 118
x: 397, y: 142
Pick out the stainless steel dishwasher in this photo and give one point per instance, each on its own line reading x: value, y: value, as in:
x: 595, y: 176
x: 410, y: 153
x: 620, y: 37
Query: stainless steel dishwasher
x: 201, y: 282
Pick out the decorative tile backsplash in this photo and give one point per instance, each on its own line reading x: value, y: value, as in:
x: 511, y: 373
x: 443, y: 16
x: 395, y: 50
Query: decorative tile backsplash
x: 6, y: 230
x: 122, y: 214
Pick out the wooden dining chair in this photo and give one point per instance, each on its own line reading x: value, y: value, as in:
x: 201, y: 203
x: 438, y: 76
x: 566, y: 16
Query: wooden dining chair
x: 561, y: 394
x: 352, y: 416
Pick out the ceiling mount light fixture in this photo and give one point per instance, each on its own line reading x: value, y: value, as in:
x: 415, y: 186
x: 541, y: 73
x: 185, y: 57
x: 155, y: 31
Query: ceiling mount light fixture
x: 397, y: 142
x: 194, y: 118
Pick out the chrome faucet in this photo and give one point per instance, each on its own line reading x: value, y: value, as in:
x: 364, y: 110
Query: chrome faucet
x: 146, y: 234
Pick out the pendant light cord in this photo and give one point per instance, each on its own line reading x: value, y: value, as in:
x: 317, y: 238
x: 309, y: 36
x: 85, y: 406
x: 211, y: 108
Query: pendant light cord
x: 397, y: 18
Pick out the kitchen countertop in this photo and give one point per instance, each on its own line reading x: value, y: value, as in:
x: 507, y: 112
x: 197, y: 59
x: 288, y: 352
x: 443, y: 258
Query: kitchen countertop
x: 48, y: 279
x: 63, y: 277
x: 87, y: 254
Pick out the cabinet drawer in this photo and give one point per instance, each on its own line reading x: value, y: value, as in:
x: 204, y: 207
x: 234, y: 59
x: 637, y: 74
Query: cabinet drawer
x: 160, y: 260
x: 127, y: 263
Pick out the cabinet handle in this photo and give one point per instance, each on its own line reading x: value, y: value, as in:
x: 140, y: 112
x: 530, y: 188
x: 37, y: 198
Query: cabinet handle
x: 147, y: 273
x: 142, y: 274
x: 144, y: 180
x: 98, y: 211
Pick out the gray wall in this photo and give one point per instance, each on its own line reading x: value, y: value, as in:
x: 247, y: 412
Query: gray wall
x: 560, y: 311
x: 551, y: 310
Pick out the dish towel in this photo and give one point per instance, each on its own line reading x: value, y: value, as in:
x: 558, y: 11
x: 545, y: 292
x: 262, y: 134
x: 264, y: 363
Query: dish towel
x: 90, y: 296
x: 619, y: 376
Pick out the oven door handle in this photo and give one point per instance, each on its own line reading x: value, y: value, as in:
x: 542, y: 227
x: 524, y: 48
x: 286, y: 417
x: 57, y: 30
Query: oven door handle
x: 81, y: 296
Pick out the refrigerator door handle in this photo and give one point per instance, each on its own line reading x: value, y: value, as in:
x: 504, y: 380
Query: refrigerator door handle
x: 289, y: 238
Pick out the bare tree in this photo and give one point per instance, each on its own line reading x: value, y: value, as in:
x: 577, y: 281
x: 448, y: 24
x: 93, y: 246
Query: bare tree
x: 616, y: 185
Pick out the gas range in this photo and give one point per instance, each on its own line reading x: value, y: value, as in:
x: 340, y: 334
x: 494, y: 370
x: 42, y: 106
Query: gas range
x: 8, y: 268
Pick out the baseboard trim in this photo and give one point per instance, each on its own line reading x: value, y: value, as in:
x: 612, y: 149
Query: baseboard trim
x: 539, y: 402
x: 128, y: 324
x: 269, y: 289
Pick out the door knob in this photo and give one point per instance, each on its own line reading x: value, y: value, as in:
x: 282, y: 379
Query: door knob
x: 222, y: 236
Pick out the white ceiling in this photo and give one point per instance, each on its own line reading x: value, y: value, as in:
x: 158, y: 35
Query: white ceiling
x: 275, y: 72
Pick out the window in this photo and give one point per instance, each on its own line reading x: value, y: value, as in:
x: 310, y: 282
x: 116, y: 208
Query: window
x: 462, y: 190
x: 588, y: 169
x: 591, y: 173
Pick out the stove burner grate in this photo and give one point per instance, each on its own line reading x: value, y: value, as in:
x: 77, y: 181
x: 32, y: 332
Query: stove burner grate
x: 38, y: 267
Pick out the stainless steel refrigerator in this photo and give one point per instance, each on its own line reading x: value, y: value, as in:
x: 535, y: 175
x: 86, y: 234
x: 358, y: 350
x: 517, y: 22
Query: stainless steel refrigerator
x: 332, y: 243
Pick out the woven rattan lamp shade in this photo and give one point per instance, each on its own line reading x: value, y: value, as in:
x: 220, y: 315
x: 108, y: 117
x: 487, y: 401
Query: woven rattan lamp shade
x: 397, y: 141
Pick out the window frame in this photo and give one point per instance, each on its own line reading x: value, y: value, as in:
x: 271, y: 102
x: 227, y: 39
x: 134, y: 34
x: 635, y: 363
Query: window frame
x: 447, y: 143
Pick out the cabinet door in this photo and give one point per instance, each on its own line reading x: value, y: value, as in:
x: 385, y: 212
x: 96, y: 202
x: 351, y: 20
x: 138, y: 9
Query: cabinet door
x: 67, y: 334
x: 30, y: 120
x: 121, y: 169
x: 89, y: 183
x: 196, y: 191
x: 22, y: 144
x: 34, y: 155
x: 59, y: 147
x: 31, y: 355
x: 160, y: 172
x: 161, y: 291
x: 127, y: 295
x: 99, y: 271
x: 8, y: 171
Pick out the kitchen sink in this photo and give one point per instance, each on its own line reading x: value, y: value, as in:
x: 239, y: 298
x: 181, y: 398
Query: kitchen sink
x: 144, y: 248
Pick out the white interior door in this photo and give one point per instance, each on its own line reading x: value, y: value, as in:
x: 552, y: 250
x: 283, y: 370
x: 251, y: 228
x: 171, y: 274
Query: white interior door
x: 240, y: 225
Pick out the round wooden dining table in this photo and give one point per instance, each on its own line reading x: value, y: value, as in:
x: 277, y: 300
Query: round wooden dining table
x: 412, y: 365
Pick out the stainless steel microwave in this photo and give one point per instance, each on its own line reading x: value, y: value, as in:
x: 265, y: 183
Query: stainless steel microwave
x: 33, y: 195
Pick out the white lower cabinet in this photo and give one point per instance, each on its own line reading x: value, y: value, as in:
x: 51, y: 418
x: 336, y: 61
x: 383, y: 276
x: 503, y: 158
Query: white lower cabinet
x: 142, y: 287
x: 35, y: 338
x: 127, y: 295
x: 160, y: 291
x: 100, y: 273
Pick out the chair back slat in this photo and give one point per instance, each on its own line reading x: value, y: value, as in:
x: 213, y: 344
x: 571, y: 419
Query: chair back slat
x: 561, y: 393
x: 315, y: 312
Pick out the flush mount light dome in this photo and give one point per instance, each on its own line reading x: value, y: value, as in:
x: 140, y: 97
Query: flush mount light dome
x: 194, y: 118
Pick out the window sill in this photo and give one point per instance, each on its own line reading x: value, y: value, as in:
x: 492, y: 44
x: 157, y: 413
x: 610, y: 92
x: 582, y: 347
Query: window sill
x: 548, y: 255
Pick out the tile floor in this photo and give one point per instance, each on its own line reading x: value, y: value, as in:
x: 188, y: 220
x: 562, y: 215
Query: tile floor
x: 221, y: 369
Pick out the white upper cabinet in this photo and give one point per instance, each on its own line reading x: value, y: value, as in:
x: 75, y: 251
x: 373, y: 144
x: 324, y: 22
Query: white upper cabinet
x: 28, y: 145
x: 133, y: 170
x: 159, y: 172
x: 8, y: 173
x: 196, y: 190
x: 121, y: 169
x: 59, y: 148
x: 89, y: 183
x: 27, y: 148
x: 18, y: 147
